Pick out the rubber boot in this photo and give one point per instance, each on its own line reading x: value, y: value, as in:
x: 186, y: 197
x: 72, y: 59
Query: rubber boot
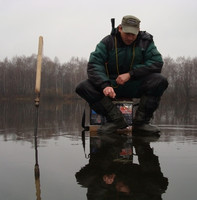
x: 115, y: 119
x: 144, y: 113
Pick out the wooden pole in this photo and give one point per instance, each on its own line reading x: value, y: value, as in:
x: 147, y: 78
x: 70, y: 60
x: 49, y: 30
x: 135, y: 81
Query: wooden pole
x: 37, y: 100
x: 38, y: 71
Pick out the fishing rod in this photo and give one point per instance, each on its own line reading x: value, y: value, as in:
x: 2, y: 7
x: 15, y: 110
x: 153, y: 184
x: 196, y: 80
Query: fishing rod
x: 113, y: 26
x: 37, y: 103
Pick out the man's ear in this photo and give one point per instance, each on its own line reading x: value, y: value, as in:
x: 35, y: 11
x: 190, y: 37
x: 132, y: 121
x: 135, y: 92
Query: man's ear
x: 120, y: 27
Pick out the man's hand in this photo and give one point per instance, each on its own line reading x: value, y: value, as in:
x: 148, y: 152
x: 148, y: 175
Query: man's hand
x: 109, y: 91
x: 123, y: 78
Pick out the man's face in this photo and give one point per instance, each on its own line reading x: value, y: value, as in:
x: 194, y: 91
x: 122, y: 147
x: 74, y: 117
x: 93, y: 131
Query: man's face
x: 128, y: 38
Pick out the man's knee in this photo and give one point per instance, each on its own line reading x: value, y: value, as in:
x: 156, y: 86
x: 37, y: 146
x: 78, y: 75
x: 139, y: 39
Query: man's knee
x: 162, y: 80
x: 155, y: 84
x: 87, y: 91
x: 156, y: 80
x: 80, y: 88
x: 161, y: 84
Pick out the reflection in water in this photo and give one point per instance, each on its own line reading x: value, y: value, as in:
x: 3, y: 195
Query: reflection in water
x: 56, y: 117
x: 176, y: 113
x: 36, y: 167
x: 37, y: 174
x: 114, y: 163
x: 112, y: 172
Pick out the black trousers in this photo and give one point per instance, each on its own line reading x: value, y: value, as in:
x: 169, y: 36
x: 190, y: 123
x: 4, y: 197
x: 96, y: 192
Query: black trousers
x: 152, y: 85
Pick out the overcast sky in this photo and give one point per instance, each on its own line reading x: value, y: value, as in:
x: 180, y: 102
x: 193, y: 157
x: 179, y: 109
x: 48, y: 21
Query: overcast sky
x: 74, y: 27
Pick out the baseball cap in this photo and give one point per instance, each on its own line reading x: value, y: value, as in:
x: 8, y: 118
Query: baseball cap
x: 130, y: 24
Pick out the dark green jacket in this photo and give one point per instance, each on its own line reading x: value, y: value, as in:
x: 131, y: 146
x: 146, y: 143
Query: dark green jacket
x: 139, y: 59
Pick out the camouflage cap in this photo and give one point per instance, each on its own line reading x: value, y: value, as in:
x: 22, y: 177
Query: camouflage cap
x: 130, y: 24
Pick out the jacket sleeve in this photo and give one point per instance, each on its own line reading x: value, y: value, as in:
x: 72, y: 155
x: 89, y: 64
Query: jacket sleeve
x: 96, y: 67
x: 152, y: 63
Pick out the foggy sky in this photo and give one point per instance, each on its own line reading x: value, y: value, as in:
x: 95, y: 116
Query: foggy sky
x: 73, y: 28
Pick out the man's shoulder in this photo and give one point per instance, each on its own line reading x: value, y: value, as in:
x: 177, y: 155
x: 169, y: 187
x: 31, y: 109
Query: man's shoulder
x: 144, y: 39
x: 145, y: 36
x: 108, y: 41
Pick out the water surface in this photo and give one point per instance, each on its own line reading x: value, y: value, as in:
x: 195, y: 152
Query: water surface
x: 74, y: 165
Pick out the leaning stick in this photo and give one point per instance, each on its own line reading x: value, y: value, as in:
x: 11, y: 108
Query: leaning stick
x: 38, y: 71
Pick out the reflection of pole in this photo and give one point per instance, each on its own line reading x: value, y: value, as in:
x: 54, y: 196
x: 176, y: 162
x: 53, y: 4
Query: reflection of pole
x: 37, y: 173
x: 37, y: 101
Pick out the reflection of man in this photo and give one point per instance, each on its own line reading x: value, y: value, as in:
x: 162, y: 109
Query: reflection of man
x: 97, y: 176
x: 144, y: 181
x: 110, y: 176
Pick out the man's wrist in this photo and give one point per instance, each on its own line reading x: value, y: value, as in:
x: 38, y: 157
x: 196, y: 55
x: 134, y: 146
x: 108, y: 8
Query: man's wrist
x: 131, y: 74
x: 104, y: 85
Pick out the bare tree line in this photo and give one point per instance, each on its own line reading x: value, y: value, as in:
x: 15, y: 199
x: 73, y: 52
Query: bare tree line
x: 182, y: 77
x: 17, y: 77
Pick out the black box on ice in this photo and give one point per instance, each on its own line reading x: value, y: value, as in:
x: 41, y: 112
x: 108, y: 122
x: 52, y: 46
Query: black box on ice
x: 126, y: 107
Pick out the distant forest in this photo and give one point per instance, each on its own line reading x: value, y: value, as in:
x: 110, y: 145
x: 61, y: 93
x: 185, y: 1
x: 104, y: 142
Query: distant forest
x: 17, y: 78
